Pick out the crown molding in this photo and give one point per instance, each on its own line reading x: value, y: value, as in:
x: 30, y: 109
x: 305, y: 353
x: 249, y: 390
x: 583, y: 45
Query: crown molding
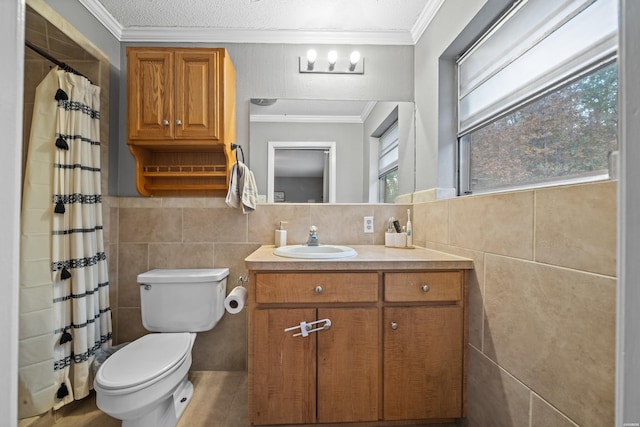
x: 104, y: 17
x: 283, y: 118
x: 367, y: 110
x: 236, y: 35
x: 425, y: 18
x: 233, y: 35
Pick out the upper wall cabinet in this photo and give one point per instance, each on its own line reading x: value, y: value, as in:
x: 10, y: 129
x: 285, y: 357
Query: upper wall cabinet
x: 180, y: 119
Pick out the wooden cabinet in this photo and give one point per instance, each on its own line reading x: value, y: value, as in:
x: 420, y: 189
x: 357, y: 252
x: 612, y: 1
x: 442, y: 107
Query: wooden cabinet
x: 175, y: 94
x: 395, y: 349
x: 319, y: 377
x: 180, y: 119
x: 150, y: 94
x: 422, y: 362
x: 423, y: 345
x: 428, y: 286
x: 284, y: 380
x: 348, y: 363
x: 316, y: 288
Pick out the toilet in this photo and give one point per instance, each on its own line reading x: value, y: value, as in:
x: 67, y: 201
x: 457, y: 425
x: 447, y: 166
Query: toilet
x: 145, y: 383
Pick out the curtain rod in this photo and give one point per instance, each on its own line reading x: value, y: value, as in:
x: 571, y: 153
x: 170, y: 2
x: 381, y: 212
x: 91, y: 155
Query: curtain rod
x: 60, y: 64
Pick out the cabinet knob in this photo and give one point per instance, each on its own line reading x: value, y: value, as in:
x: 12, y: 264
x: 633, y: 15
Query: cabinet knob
x: 165, y: 122
x: 178, y: 122
x: 318, y: 289
x: 425, y: 288
x: 394, y: 325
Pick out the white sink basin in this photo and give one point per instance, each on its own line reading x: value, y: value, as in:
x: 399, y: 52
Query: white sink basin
x: 315, y: 252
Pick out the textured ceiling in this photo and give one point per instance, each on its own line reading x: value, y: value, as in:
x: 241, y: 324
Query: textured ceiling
x: 265, y: 21
x: 341, y: 15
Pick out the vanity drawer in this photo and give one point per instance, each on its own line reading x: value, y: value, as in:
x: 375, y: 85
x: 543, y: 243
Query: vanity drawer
x: 424, y: 286
x: 316, y: 287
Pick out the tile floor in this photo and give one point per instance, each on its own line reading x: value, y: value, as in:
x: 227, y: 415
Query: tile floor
x: 219, y: 399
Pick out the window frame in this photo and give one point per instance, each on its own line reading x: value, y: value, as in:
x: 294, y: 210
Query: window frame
x: 463, y: 149
x: 393, y: 168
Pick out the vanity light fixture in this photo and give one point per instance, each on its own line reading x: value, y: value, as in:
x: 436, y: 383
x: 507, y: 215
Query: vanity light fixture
x: 334, y: 64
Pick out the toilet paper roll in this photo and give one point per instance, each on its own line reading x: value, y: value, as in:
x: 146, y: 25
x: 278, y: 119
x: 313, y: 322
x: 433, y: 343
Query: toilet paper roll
x: 234, y: 302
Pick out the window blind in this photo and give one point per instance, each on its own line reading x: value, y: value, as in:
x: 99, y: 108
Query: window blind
x: 534, y: 48
x: 388, y: 153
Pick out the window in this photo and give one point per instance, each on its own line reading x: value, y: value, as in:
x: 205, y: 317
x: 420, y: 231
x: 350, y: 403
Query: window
x: 388, y: 165
x: 538, y: 96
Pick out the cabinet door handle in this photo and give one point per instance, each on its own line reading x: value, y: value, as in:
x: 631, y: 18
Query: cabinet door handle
x: 425, y: 288
x: 178, y: 122
x: 165, y: 122
x: 318, y: 289
x: 394, y: 325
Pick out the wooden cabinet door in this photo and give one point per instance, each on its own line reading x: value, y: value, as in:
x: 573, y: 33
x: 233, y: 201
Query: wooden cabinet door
x: 198, y: 104
x: 422, y: 362
x: 282, y: 381
x: 348, y: 365
x: 150, y: 94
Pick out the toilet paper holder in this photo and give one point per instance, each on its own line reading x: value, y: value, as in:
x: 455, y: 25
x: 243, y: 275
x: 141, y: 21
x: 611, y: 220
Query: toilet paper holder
x: 242, y: 280
x: 235, y: 301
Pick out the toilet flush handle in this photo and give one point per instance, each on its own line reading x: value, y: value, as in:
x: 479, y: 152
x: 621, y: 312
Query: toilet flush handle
x: 146, y: 287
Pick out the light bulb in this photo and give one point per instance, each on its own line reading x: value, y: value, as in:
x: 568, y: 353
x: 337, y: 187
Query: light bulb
x: 311, y: 56
x: 332, y: 57
x: 355, y: 57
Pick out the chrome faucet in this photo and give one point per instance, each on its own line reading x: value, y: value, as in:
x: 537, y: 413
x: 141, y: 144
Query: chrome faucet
x: 313, y: 236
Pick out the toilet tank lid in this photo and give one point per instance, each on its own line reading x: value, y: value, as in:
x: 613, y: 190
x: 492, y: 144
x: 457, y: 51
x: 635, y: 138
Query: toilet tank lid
x: 183, y: 275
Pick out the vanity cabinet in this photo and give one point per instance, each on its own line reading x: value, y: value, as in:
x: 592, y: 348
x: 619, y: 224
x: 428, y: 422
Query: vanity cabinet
x: 286, y: 368
x: 331, y: 375
x: 180, y: 119
x: 394, y: 350
x: 423, y: 345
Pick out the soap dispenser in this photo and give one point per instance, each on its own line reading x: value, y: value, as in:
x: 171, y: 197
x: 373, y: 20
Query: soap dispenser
x: 281, y: 235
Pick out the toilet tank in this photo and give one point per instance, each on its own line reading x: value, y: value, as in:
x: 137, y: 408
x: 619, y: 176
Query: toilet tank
x: 182, y: 300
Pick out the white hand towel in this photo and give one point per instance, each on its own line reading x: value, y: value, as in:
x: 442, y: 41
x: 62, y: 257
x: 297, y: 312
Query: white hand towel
x: 249, y: 193
x: 243, y: 191
x: 236, y: 177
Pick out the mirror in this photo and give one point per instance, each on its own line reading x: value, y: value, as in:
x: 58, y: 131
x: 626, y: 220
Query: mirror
x: 283, y: 133
x: 301, y: 172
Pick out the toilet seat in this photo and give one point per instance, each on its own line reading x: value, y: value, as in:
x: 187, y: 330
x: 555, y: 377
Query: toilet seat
x: 144, y: 361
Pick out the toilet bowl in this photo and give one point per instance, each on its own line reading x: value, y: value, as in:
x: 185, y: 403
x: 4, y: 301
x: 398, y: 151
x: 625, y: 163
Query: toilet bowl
x: 145, y: 384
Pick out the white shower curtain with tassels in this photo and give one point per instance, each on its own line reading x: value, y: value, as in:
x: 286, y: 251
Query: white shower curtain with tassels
x: 77, y: 263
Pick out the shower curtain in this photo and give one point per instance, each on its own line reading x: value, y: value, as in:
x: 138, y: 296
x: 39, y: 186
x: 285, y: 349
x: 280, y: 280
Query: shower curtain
x: 64, y: 288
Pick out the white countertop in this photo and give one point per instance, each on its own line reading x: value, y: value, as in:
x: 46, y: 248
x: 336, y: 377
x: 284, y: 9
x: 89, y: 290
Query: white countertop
x: 370, y: 257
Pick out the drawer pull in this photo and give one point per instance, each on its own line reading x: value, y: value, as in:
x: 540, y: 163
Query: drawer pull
x: 394, y: 325
x: 318, y: 289
x: 425, y: 288
x: 165, y: 122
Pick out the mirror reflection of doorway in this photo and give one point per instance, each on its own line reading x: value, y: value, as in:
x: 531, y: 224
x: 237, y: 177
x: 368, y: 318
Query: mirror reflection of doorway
x: 301, y: 172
